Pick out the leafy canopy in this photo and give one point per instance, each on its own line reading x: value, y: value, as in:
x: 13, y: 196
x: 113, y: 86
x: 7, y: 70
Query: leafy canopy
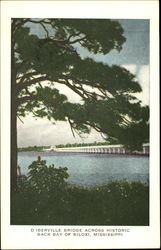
x: 45, y: 52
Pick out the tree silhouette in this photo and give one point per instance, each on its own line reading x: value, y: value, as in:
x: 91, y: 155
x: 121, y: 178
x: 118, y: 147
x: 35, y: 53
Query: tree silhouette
x: 38, y: 61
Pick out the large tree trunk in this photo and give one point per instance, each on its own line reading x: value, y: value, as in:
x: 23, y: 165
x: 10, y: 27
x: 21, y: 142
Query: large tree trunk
x: 13, y: 120
x: 13, y: 146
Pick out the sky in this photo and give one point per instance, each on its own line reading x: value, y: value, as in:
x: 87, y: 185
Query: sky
x: 134, y: 56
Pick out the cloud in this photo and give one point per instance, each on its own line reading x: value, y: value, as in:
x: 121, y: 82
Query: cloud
x: 43, y: 132
x: 130, y: 67
x: 72, y: 97
x: 144, y: 80
x: 142, y: 75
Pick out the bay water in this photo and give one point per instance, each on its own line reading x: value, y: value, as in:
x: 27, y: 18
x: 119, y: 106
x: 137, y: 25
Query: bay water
x: 86, y: 169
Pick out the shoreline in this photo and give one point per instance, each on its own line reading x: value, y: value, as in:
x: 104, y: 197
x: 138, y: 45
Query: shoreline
x: 87, y: 153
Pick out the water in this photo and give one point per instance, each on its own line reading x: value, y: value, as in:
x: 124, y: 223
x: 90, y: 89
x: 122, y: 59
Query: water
x: 92, y: 169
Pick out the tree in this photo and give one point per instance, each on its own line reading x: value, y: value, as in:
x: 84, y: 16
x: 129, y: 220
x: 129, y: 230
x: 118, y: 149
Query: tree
x: 38, y: 61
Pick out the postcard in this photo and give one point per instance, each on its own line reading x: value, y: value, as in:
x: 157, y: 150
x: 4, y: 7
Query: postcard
x: 80, y: 124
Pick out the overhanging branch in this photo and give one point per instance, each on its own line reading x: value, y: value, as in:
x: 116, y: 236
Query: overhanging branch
x: 25, y: 99
x: 27, y: 75
x: 31, y: 82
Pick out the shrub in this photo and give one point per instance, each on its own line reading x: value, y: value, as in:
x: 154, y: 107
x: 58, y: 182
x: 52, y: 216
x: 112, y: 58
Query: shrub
x: 46, y: 199
x: 45, y: 179
x: 115, y: 203
x: 42, y: 196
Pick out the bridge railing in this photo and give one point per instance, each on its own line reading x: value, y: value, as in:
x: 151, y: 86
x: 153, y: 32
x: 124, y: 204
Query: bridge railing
x: 109, y: 149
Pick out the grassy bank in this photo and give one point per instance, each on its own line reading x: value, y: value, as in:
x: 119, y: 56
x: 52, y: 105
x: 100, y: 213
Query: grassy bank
x: 47, y: 199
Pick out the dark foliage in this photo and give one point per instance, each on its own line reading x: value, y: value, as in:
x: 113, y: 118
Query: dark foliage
x: 33, y: 148
x: 47, y: 199
x: 44, y: 59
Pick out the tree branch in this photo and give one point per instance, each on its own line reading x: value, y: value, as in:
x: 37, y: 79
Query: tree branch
x: 72, y: 35
x: 39, y: 21
x: 27, y: 75
x: 71, y: 126
x: 20, y: 22
x: 78, y: 40
x: 74, y: 89
x: 25, y: 99
x: 20, y: 119
x: 31, y: 82
x: 47, y: 32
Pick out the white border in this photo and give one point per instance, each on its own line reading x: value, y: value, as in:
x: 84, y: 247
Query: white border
x: 20, y: 237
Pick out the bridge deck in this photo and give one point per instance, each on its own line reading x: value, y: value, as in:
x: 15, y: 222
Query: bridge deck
x: 110, y: 149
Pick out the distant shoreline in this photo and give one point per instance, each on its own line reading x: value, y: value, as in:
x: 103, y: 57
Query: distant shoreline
x: 87, y: 153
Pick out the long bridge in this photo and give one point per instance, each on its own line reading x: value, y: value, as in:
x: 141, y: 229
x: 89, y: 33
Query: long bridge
x: 108, y: 149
